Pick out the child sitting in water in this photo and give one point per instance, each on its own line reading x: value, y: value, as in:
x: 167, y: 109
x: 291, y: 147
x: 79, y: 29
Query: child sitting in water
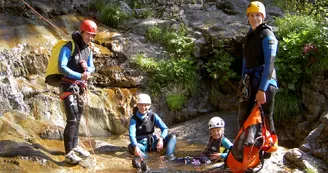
x: 216, y: 140
x: 212, y: 151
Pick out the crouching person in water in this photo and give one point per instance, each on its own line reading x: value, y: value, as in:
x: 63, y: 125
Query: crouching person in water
x: 212, y: 151
x: 142, y: 127
x: 216, y: 140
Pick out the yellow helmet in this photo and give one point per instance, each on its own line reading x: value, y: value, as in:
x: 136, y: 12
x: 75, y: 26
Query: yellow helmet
x: 256, y: 6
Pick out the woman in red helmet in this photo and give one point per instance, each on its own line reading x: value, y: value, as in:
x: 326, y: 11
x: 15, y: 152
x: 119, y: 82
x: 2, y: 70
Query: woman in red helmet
x: 76, y: 68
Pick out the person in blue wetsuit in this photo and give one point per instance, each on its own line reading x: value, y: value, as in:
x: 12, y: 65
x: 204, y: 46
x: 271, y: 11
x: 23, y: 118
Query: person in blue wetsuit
x: 259, y: 52
x: 141, y: 132
x: 212, y: 152
x: 216, y: 140
x: 75, y: 69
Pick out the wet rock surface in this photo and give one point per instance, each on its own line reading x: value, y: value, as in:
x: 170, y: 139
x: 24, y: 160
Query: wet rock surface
x: 32, y: 117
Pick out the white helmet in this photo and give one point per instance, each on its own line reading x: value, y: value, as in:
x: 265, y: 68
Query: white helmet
x: 144, y: 99
x: 215, y: 122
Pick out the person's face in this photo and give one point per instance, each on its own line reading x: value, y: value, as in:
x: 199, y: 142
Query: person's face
x: 87, y: 37
x: 255, y: 19
x: 143, y: 108
x: 216, y: 133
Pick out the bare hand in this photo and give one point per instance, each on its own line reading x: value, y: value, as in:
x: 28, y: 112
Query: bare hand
x: 159, y: 144
x: 260, y: 98
x: 85, y: 76
x: 215, y: 156
x: 84, y: 65
x: 137, y: 152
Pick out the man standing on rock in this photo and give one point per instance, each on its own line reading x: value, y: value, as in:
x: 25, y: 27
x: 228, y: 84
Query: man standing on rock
x: 76, y: 68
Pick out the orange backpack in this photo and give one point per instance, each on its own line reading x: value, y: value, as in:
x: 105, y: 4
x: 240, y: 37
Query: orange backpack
x: 252, y: 139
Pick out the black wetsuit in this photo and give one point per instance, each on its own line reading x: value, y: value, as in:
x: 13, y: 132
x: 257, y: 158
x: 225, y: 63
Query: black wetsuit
x: 71, y: 70
x: 259, y: 52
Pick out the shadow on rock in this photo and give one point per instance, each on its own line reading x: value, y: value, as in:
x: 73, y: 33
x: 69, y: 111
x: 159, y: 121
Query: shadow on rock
x: 106, y: 149
x: 32, y: 151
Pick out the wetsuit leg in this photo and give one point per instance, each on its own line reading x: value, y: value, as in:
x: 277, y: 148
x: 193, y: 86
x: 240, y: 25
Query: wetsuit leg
x: 268, y: 108
x: 169, y: 143
x: 80, y: 111
x: 245, y: 109
x: 73, y: 115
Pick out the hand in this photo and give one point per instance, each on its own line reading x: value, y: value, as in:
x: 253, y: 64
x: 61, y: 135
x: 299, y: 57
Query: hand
x: 85, y: 76
x: 215, y: 156
x: 137, y: 152
x: 84, y: 65
x: 159, y: 144
x: 260, y: 97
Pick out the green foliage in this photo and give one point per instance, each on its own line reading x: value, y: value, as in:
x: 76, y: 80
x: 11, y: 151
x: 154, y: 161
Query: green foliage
x: 145, y: 13
x: 179, y: 71
x: 175, y: 101
x: 168, y: 74
x: 111, y: 14
x: 148, y: 64
x: 219, y: 67
x: 175, y: 73
x: 175, y: 42
x: 302, y: 49
x: 317, y: 8
x: 286, y: 107
x: 310, y: 170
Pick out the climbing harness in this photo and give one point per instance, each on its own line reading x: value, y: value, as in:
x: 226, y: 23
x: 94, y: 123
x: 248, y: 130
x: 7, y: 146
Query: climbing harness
x: 244, y: 89
x: 65, y: 94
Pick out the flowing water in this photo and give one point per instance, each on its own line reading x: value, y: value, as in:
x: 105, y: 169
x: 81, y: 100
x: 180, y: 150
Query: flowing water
x: 101, y: 161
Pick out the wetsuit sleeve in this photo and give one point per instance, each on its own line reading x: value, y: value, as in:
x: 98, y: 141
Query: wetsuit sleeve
x: 64, y: 57
x: 269, y: 44
x: 91, y: 67
x: 132, y: 132
x: 226, y: 144
x: 160, y: 124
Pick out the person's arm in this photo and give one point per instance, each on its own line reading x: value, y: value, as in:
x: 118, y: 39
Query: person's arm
x: 64, y: 57
x: 226, y: 144
x: 132, y: 132
x: 91, y: 67
x: 160, y: 124
x: 269, y: 45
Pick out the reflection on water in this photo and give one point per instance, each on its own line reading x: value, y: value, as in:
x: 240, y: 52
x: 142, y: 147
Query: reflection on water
x: 158, y: 163
x: 108, y: 155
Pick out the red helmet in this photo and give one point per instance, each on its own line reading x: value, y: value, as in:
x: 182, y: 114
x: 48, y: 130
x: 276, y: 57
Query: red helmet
x: 89, y: 26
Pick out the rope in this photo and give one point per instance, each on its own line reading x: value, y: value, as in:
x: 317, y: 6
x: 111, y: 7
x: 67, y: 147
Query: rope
x: 45, y: 19
x: 86, y: 88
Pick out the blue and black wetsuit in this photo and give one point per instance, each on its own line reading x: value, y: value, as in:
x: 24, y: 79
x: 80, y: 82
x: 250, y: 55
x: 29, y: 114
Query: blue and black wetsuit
x: 141, y: 134
x: 259, y: 52
x: 71, y: 70
x: 214, y: 146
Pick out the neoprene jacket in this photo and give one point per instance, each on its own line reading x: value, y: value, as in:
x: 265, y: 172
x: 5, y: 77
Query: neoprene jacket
x: 141, y: 130
x: 69, y: 65
x: 259, y: 49
x: 214, y: 146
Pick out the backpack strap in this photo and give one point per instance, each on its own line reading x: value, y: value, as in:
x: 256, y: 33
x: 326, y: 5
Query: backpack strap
x: 73, y: 47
